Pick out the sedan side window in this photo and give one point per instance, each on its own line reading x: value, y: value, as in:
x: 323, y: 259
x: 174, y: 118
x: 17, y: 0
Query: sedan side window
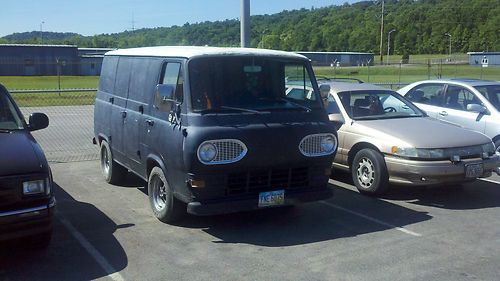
x: 457, y: 97
x: 430, y: 94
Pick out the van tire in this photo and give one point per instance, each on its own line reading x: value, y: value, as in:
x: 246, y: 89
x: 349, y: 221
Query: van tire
x: 497, y: 145
x: 369, y: 172
x: 165, y: 206
x: 113, y: 172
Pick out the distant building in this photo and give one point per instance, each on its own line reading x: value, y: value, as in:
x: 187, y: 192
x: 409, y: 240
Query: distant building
x: 339, y: 58
x: 49, y: 60
x: 484, y: 59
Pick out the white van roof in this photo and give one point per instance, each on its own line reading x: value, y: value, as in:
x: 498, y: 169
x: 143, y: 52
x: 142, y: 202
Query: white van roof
x: 193, y: 51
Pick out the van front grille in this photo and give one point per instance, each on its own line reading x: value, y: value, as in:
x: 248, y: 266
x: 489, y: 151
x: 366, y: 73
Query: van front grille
x: 267, y: 179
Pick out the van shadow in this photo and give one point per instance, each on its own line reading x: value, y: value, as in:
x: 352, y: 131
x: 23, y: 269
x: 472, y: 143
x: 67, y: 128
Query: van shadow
x: 66, y: 258
x: 307, y: 223
x: 475, y: 195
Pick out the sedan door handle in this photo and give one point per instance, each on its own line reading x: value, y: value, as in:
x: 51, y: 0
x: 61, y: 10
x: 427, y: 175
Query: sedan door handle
x: 443, y: 113
x: 150, y: 122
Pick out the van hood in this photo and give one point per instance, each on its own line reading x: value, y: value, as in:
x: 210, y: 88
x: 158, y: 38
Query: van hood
x: 20, y: 154
x: 422, y: 132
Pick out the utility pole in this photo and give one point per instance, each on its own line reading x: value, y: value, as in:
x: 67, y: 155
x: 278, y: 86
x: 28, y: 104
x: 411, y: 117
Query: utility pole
x: 245, y: 23
x: 41, y: 32
x: 382, y: 36
x: 389, y: 44
x: 449, y: 35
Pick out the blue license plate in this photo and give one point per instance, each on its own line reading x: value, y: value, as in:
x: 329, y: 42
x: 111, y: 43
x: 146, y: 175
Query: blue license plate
x: 272, y: 198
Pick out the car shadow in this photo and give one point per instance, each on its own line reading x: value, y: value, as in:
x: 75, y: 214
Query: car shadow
x: 66, y: 258
x: 308, y: 223
x: 475, y: 195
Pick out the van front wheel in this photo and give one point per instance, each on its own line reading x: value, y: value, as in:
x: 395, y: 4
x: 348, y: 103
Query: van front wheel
x: 112, y: 171
x: 165, y: 206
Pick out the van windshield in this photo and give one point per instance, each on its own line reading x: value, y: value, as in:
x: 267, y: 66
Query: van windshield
x: 250, y: 84
x: 9, y: 119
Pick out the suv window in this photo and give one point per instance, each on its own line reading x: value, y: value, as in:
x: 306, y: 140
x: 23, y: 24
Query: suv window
x: 431, y: 94
x: 171, y: 75
x: 457, y: 97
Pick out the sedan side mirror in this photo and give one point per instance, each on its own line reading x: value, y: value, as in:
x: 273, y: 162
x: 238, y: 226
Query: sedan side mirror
x: 476, y: 108
x: 38, y: 121
x: 336, y: 118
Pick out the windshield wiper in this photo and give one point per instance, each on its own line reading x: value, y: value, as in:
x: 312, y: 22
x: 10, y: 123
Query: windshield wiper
x: 307, y: 109
x: 241, y: 109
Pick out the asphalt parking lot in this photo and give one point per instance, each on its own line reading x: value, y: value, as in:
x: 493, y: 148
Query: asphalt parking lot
x: 108, y: 232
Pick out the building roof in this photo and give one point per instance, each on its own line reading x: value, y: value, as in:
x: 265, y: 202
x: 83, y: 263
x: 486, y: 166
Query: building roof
x: 335, y: 53
x: 37, y: 45
x: 483, y: 53
x: 193, y: 51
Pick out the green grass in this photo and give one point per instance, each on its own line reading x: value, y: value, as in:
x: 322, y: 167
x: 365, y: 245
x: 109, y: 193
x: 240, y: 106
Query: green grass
x: 54, y: 99
x: 49, y: 82
x: 409, y: 73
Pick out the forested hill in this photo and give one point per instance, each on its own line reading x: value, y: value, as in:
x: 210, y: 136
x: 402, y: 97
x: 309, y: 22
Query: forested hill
x: 420, y: 26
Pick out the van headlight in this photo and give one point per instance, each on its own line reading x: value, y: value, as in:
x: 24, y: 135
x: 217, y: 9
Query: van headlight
x: 207, y: 152
x: 489, y: 148
x: 328, y: 143
x: 35, y: 187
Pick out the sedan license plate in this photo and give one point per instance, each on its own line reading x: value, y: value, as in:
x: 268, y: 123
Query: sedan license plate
x: 272, y: 198
x: 474, y: 170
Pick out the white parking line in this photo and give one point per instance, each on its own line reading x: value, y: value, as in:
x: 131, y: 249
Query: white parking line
x: 108, y: 268
x: 404, y: 230
x: 492, y: 181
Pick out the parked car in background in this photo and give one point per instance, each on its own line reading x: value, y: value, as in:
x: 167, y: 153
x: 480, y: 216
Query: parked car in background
x: 26, y: 197
x: 473, y: 104
x: 384, y: 138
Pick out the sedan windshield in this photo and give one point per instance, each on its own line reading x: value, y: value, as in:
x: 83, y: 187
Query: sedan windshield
x: 9, y: 119
x: 377, y: 104
x: 492, y: 93
x: 251, y: 85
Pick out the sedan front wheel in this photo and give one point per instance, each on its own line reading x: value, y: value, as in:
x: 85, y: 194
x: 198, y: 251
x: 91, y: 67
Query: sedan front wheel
x: 369, y: 172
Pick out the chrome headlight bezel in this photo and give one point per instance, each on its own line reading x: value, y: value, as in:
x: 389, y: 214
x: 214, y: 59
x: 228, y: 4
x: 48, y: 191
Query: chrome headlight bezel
x: 319, y: 145
x: 36, y: 187
x: 227, y: 151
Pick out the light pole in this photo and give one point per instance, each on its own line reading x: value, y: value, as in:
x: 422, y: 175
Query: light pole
x: 449, y: 35
x: 41, y: 32
x: 389, y: 44
x: 382, y: 35
x: 245, y: 24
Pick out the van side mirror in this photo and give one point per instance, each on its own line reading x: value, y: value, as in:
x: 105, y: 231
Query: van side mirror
x: 38, y: 121
x: 165, y: 93
x: 336, y: 118
x: 476, y: 108
x: 324, y: 90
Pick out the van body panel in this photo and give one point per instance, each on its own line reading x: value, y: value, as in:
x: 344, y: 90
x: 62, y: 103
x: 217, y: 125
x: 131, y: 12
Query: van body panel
x: 144, y: 131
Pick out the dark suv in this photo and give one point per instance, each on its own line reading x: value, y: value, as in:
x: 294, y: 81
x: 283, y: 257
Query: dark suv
x: 26, y: 197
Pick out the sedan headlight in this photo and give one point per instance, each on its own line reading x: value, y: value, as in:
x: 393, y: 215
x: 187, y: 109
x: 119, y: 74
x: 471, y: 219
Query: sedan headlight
x: 207, y: 152
x: 418, y: 152
x: 35, y: 187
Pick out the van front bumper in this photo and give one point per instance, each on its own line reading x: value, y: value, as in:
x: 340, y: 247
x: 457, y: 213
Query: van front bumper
x: 21, y: 223
x: 247, y: 203
x: 413, y: 172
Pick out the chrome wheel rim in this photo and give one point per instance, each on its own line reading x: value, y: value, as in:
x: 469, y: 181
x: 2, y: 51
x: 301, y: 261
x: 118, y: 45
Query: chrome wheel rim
x: 105, y: 160
x: 365, y: 173
x: 159, y: 193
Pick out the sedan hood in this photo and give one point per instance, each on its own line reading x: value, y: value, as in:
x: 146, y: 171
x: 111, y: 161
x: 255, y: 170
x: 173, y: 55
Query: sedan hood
x: 19, y: 154
x: 421, y: 132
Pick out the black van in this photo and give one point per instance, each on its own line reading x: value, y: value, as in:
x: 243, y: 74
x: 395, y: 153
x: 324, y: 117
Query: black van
x: 214, y: 130
x: 26, y: 198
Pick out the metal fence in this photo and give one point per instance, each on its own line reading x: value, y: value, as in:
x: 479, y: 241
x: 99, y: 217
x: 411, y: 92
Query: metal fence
x: 71, y: 112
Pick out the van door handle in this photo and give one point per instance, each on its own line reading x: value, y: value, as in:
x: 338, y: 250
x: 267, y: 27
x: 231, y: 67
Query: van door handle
x: 124, y: 114
x: 150, y: 122
x: 443, y: 113
x: 141, y: 109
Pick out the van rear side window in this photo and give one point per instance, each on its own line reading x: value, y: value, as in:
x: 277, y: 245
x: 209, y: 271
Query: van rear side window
x: 108, y: 74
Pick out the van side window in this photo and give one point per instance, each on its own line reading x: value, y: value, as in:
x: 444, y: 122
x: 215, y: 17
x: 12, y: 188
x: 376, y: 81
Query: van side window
x: 171, y: 75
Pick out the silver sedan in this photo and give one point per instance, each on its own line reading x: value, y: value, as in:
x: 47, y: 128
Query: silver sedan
x: 385, y: 138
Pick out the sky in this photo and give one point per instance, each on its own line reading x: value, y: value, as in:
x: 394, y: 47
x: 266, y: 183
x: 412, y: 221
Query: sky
x: 90, y: 17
